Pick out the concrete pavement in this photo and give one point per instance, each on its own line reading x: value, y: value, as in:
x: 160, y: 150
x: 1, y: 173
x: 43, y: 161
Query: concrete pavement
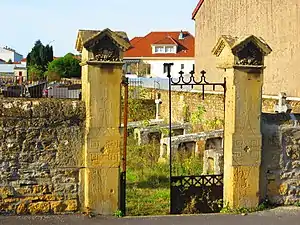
x: 278, y: 216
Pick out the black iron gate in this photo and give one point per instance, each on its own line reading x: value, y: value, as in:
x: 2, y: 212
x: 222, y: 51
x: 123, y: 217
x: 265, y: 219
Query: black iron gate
x: 204, y: 193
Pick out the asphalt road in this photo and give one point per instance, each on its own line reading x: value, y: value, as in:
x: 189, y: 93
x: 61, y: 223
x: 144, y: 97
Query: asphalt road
x: 279, y: 216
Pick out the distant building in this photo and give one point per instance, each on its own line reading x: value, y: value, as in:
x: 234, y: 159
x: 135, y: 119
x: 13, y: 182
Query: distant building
x: 15, y: 71
x: 7, y: 54
x: 148, y: 54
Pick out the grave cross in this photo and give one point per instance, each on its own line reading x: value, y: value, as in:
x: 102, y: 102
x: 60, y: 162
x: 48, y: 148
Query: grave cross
x: 158, y: 102
x: 282, y: 106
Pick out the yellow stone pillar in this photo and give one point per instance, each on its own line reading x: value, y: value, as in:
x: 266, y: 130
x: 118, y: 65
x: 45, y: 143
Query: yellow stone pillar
x: 242, y: 60
x: 101, y: 78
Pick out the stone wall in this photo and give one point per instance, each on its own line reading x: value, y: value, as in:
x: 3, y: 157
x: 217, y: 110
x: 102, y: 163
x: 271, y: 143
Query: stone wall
x: 266, y: 19
x: 280, y: 170
x: 40, y: 155
x: 213, y: 104
x: 140, y: 109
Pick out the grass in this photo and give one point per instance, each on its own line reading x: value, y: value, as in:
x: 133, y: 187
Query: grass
x: 148, y: 188
x: 142, y: 199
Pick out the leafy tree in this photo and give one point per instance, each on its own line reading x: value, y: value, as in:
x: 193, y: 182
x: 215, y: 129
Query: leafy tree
x: 9, y: 61
x: 52, y: 76
x: 66, y: 67
x: 35, y: 72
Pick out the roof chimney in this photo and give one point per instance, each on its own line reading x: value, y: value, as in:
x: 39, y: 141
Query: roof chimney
x: 181, y: 36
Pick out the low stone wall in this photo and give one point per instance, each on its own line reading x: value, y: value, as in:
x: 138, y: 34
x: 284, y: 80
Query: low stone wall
x: 185, y: 103
x: 140, y: 109
x: 280, y: 170
x: 40, y: 155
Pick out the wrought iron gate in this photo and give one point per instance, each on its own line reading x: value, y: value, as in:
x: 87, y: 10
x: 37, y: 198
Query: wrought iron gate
x: 122, y: 202
x: 204, y: 192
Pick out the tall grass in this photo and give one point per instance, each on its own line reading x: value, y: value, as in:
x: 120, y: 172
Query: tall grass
x: 148, y: 190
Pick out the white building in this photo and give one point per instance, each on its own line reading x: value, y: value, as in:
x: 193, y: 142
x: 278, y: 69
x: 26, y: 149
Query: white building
x: 13, y: 72
x: 148, y: 54
x: 7, y: 54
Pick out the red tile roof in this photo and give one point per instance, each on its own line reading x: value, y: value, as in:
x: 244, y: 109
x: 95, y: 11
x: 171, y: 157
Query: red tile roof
x: 167, y: 41
x: 141, y: 46
x: 136, y: 39
x: 197, y: 8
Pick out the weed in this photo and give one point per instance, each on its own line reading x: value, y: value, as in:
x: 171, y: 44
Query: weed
x: 118, y: 213
x: 214, y: 124
x: 243, y: 210
x: 191, y: 206
x: 297, y: 204
x: 165, y: 132
x: 197, y: 118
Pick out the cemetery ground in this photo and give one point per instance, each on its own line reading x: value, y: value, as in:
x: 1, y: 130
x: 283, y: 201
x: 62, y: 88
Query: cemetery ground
x: 148, y: 188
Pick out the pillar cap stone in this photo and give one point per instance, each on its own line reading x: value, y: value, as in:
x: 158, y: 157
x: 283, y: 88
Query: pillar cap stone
x: 85, y: 37
x: 246, y: 51
x: 102, y: 47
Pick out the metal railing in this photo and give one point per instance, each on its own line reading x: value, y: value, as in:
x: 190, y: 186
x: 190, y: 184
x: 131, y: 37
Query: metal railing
x: 135, y: 86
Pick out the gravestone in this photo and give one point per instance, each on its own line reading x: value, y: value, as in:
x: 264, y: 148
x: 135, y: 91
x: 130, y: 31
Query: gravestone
x: 282, y: 106
x: 158, y: 102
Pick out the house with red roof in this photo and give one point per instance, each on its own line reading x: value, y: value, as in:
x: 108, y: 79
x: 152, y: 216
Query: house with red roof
x: 147, y: 54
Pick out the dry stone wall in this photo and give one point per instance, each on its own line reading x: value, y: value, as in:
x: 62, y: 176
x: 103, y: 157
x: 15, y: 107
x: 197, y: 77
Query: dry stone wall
x: 185, y: 103
x: 40, y: 155
x: 280, y: 170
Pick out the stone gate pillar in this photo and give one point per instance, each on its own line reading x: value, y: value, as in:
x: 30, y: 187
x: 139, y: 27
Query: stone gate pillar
x: 102, y: 53
x: 242, y: 60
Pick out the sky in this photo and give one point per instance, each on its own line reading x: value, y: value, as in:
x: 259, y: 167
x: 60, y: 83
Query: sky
x: 58, y: 21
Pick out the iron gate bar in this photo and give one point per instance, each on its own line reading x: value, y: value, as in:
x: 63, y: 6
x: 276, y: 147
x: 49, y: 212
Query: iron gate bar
x: 168, y: 66
x: 122, y: 206
x: 192, y: 82
x: 189, y: 185
x: 196, y: 188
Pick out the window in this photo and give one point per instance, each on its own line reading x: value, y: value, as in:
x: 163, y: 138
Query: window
x: 182, y: 66
x: 164, y: 49
x: 20, y: 73
x: 169, y: 49
x: 159, y: 49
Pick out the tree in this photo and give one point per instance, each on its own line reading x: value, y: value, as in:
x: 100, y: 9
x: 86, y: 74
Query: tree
x: 40, y: 55
x: 67, y: 66
x: 35, y: 72
x: 9, y: 61
x: 52, y: 76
